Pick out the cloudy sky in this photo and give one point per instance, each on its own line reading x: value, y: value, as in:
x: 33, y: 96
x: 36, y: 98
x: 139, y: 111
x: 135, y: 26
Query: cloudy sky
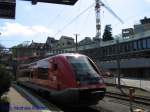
x: 37, y: 22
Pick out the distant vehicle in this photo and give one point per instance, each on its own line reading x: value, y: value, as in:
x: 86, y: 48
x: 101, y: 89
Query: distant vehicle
x: 68, y: 78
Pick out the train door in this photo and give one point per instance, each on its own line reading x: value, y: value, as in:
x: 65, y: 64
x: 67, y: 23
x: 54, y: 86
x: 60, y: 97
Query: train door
x: 53, y: 74
x: 34, y: 75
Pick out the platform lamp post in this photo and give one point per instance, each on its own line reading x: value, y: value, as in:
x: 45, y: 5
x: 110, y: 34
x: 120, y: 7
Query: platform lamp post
x: 118, y: 62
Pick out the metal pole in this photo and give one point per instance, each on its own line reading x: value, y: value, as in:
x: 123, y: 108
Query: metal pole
x: 118, y: 62
x: 76, y: 42
x: 131, y: 97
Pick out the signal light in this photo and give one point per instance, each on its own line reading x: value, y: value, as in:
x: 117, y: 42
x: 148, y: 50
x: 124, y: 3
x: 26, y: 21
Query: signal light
x: 78, y: 82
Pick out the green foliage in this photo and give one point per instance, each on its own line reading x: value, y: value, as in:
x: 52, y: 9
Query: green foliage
x: 5, y: 80
x: 19, y: 50
x: 107, y: 35
x: 14, y: 51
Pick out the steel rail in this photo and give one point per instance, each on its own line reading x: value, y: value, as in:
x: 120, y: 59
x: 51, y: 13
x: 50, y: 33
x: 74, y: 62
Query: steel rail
x: 137, y: 99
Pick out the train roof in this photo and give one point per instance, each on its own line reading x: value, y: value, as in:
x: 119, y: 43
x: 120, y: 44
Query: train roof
x: 43, y: 63
x: 70, y: 54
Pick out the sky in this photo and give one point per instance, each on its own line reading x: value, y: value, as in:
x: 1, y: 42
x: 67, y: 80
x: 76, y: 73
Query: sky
x: 37, y: 22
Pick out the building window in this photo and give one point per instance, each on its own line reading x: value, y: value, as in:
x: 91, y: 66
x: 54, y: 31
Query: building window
x: 135, y: 45
x: 126, y: 47
x: 69, y: 43
x: 104, y: 53
x: 110, y: 50
x: 120, y: 48
x: 131, y: 46
x: 139, y: 45
x: 144, y: 44
x: 114, y: 50
x: 148, y: 43
x: 25, y: 74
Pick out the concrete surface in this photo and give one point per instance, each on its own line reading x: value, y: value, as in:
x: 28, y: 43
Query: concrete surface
x: 20, y: 104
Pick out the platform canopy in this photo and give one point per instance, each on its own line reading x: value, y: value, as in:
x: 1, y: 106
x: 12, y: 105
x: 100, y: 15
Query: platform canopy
x: 65, y: 2
x: 7, y: 9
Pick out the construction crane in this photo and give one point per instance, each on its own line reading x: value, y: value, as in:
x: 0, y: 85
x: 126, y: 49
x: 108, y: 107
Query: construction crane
x: 98, y: 5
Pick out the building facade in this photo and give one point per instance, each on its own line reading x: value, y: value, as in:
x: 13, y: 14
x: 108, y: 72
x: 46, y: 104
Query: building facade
x: 65, y: 41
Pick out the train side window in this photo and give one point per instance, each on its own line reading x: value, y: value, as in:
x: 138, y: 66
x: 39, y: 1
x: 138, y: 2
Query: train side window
x: 52, y: 65
x: 25, y: 74
x: 43, y: 73
x: 93, y: 66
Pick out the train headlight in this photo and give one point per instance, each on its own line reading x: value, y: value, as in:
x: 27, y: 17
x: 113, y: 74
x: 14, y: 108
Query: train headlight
x: 78, y: 82
x: 101, y: 80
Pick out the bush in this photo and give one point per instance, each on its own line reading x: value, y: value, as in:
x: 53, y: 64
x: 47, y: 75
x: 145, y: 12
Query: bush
x: 5, y: 80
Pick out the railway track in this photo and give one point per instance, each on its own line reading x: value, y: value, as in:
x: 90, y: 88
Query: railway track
x: 137, y: 99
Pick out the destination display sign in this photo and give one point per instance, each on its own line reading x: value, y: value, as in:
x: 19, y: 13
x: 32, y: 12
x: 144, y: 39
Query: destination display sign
x: 7, y: 9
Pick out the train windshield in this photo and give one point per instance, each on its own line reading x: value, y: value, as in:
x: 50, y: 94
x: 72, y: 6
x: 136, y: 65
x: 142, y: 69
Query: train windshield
x: 84, y: 69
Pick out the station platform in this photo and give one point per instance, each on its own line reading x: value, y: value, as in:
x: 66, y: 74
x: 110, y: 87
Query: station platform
x: 18, y: 103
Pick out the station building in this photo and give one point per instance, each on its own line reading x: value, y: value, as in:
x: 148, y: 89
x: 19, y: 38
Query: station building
x: 131, y: 50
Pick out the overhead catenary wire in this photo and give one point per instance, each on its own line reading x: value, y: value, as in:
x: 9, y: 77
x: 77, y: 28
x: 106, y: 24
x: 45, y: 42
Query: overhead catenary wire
x: 81, y: 13
x: 84, y: 23
x: 12, y: 40
x: 79, y: 9
x: 57, y: 16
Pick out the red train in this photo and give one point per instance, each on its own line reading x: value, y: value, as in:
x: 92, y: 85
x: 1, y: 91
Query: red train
x: 69, y: 78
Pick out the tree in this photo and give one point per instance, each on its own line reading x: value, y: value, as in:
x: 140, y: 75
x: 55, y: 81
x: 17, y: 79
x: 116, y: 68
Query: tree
x: 14, y: 51
x: 1, y: 48
x: 19, y: 49
x: 107, y: 35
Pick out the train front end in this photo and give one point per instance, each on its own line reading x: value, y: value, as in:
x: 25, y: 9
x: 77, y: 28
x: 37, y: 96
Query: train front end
x: 90, y: 87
